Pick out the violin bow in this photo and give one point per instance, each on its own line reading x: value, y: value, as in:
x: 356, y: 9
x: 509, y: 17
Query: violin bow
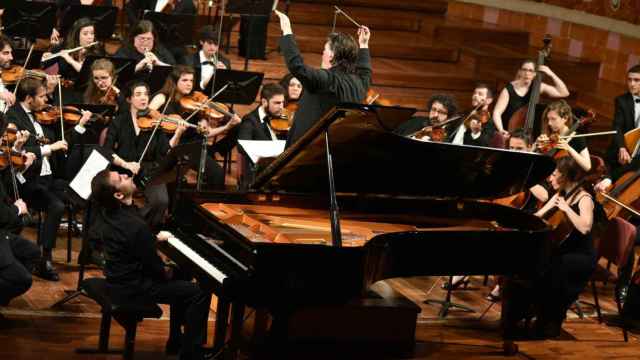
x: 335, y: 18
x: 60, y: 104
x: 621, y: 204
x: 204, y: 103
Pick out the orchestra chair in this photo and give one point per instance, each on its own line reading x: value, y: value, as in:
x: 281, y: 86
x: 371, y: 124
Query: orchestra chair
x: 614, y: 246
x: 447, y: 304
x: 128, y: 316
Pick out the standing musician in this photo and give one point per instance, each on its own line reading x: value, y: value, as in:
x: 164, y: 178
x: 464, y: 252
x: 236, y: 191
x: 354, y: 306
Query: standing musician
x: 344, y: 77
x: 144, y: 47
x: 6, y: 56
x: 208, y: 58
x: 625, y: 118
x: 481, y: 100
x: 440, y: 107
x: 557, y: 118
x: 82, y: 33
x: 40, y: 187
x: 134, y: 271
x: 179, y: 85
x: 572, y: 261
x: 128, y: 141
x: 518, y: 93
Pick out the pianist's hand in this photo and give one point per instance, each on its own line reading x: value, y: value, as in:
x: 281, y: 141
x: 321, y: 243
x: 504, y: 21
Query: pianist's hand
x: 164, y: 236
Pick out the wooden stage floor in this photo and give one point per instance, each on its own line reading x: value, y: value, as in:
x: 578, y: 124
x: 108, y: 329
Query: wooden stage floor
x: 32, y: 330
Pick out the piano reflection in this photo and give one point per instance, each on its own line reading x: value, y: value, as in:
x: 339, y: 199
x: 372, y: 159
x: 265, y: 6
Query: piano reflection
x: 348, y: 205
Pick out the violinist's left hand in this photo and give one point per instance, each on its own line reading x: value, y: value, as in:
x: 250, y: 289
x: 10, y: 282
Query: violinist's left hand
x: 8, y: 97
x: 561, y: 203
x: 21, y: 138
x: 86, y: 115
x: 235, y: 120
x: 563, y: 144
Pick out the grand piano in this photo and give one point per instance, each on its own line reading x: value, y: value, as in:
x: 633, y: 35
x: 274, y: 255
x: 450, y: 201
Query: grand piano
x: 351, y: 204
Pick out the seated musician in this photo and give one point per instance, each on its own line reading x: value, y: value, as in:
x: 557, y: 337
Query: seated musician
x: 517, y: 93
x: 179, y: 85
x: 481, y: 100
x: 344, y: 77
x: 39, y: 185
x: 255, y: 125
x: 144, y: 47
x: 128, y: 142
x: 135, y: 272
x: 18, y: 256
x: 82, y: 33
x: 102, y: 89
x: 293, y: 88
x: 6, y: 56
x: 572, y: 261
x: 207, y: 59
x: 440, y: 107
x: 557, y: 118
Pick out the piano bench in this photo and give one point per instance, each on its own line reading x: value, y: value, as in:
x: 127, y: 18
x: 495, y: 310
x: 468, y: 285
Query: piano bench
x: 128, y: 316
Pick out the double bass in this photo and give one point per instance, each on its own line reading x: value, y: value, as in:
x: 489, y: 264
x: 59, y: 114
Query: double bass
x: 525, y: 117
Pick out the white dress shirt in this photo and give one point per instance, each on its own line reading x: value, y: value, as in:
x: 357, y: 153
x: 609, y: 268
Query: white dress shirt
x: 206, y: 70
x: 636, y: 106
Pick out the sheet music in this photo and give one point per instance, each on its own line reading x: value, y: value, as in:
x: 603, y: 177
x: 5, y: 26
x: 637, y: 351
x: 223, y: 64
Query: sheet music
x: 160, y: 5
x: 81, y: 183
x: 257, y: 149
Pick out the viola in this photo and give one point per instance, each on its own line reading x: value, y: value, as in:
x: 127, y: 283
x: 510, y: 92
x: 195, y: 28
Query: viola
x: 148, y: 119
x: 198, y: 101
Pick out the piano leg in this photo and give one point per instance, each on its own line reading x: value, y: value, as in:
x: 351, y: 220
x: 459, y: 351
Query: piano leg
x: 220, y: 333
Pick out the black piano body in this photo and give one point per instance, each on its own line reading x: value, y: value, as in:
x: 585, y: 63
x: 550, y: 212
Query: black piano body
x: 407, y: 208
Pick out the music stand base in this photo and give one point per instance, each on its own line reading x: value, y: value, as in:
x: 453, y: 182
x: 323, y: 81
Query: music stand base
x: 446, y: 305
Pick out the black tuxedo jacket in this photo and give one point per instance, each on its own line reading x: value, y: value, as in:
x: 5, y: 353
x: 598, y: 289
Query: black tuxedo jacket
x: 194, y: 61
x: 19, y: 117
x: 624, y: 117
x: 251, y: 128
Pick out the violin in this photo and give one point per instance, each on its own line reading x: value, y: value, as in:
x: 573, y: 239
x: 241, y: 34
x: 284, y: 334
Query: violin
x: 434, y: 132
x: 18, y: 159
x: 15, y: 73
x: 282, y: 124
x: 549, y: 146
x: 51, y: 114
x: 198, y: 101
x: 10, y: 135
x: 148, y: 119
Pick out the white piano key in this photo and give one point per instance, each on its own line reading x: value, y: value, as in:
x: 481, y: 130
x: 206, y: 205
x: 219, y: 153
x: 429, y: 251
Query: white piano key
x: 197, y: 259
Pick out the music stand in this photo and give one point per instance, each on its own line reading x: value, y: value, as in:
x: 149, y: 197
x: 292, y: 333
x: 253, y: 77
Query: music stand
x: 20, y: 55
x: 28, y: 19
x: 243, y: 86
x: 167, y: 171
x: 124, y: 70
x: 174, y: 30
x: 154, y: 78
x: 104, y: 18
x: 252, y: 9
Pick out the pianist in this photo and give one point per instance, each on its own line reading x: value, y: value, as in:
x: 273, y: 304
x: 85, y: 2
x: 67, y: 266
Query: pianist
x: 135, y: 272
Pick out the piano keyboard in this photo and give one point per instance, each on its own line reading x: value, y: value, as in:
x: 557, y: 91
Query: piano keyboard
x: 197, y: 259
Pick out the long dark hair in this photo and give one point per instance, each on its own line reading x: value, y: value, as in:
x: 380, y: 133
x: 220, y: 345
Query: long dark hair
x: 72, y: 40
x: 172, y: 81
x: 345, y: 52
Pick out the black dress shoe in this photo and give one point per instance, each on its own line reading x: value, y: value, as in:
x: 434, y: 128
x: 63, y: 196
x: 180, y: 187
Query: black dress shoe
x: 45, y: 270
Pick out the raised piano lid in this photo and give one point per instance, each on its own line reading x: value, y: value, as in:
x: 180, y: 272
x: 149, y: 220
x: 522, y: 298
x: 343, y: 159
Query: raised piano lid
x: 369, y: 159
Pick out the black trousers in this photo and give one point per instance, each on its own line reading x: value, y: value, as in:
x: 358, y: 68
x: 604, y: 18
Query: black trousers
x: 15, y: 277
x: 189, y: 306
x: 49, y: 195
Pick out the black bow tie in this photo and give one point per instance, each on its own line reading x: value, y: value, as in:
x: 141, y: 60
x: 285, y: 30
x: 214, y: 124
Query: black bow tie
x: 207, y: 63
x: 637, y: 100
